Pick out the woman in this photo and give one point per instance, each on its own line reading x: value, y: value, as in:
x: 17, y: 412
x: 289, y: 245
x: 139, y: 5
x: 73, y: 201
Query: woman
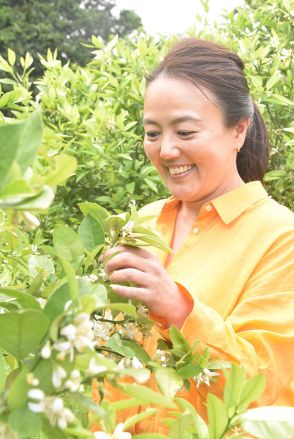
x: 230, y: 281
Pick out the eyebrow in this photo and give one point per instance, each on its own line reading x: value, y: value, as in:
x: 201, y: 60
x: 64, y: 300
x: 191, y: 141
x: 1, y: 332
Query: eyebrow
x: 147, y: 121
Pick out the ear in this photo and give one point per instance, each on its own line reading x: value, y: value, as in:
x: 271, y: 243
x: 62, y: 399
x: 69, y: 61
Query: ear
x: 241, y: 130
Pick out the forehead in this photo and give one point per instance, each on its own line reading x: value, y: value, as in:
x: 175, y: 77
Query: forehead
x: 175, y: 97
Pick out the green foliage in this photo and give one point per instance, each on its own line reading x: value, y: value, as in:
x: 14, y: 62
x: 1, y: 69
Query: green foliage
x: 52, y: 278
x: 262, y: 33
x: 32, y: 26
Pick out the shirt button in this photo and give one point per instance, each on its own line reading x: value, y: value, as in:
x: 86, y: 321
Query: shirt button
x: 195, y: 230
x: 208, y: 208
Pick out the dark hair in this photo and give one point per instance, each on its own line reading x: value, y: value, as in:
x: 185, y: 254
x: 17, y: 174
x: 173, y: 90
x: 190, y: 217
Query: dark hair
x: 212, y: 67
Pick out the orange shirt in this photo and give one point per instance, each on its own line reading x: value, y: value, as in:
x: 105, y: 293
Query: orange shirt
x: 237, y: 264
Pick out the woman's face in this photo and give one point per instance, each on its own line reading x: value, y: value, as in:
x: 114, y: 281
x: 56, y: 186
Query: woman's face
x: 187, y: 141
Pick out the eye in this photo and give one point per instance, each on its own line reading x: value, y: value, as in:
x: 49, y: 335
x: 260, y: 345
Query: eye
x: 186, y: 133
x: 152, y: 134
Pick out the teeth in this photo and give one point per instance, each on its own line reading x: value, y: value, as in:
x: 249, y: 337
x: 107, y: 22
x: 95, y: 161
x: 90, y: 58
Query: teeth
x: 180, y: 169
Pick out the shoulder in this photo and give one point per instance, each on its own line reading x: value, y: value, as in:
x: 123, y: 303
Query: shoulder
x: 273, y: 214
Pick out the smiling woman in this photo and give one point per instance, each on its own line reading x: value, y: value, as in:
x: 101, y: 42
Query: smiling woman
x: 229, y: 284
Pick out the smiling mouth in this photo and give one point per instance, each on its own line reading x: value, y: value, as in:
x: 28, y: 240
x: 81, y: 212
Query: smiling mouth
x: 180, y: 170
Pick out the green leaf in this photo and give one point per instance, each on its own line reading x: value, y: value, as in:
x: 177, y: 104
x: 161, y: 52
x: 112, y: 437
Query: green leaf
x: 99, y: 292
x: 155, y: 241
x: 18, y: 189
x: 68, y: 244
x: 18, y: 331
x: 57, y: 300
x: 178, y: 340
x: 38, y: 263
x: 189, y: 371
x: 65, y: 167
x: 53, y: 432
x: 269, y: 422
x: 25, y: 422
x: 234, y: 386
x: 126, y: 403
x: 40, y: 201
x: 217, y: 417
x: 139, y: 417
x: 17, y: 396
x: 146, y: 395
x: 200, y: 426
x: 115, y: 343
x: 168, y: 381
x: 281, y: 100
x: 96, y: 211
x: 43, y: 372
x: 181, y: 426
x: 23, y: 299
x: 4, y: 371
x: 29, y: 141
x: 273, y: 80
x: 137, y: 350
x: 91, y: 232
x: 126, y: 308
x: 11, y: 57
x: 251, y: 391
x: 19, y: 142
x: 73, y: 285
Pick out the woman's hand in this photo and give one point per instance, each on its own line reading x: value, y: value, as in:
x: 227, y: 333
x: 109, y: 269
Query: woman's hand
x: 153, y: 286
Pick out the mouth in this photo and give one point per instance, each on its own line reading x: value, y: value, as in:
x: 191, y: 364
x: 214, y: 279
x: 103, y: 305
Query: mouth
x: 180, y: 170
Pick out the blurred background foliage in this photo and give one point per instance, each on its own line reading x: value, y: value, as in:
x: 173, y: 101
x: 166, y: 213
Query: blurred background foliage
x: 34, y: 26
x: 92, y: 110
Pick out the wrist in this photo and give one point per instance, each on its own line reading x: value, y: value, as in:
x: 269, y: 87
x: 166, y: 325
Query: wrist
x: 176, y: 311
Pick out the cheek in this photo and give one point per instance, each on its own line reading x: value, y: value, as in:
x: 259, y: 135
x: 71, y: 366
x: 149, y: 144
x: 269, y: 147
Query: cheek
x: 150, y: 151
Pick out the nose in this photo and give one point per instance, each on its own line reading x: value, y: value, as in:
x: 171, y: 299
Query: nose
x: 169, y: 148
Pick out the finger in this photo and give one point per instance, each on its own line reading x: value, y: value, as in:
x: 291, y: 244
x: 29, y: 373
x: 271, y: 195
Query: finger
x: 110, y: 252
x: 130, y: 292
x: 126, y: 248
x: 126, y: 260
x: 130, y: 275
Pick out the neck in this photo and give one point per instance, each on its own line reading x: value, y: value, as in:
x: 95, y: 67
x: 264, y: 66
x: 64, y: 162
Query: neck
x: 190, y: 208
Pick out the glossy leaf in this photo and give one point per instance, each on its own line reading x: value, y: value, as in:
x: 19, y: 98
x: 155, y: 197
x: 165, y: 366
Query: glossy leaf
x: 168, y: 381
x: 217, y: 417
x: 25, y: 422
x: 18, y: 331
x: 91, y: 232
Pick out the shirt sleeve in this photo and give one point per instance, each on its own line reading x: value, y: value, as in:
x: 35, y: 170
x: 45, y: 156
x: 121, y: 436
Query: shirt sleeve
x: 259, y: 332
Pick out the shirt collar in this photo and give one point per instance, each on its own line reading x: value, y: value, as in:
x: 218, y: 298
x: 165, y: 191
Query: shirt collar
x: 229, y: 205
x: 232, y: 204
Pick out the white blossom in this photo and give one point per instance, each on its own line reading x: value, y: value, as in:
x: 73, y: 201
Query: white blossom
x: 92, y: 278
x: 57, y: 414
x: 102, y: 329
x: 117, y: 434
x: 58, y: 376
x: 95, y: 368
x: 205, y: 377
x: 74, y: 382
x: 127, y: 229
x: 130, y: 330
x: 52, y: 407
x: 78, y: 335
x: 38, y: 403
x: 32, y: 380
x: 46, y: 350
x: 161, y: 356
x: 136, y: 363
